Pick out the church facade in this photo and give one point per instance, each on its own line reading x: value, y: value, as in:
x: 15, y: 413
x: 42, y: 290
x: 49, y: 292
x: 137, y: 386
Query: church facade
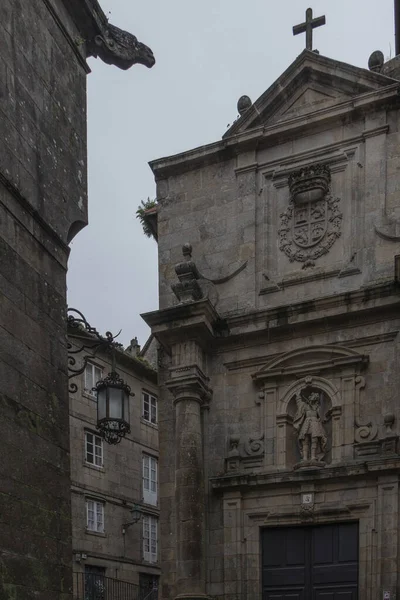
x: 279, y: 334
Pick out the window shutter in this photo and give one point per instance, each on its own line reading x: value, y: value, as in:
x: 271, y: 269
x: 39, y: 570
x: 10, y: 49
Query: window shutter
x: 153, y: 540
x: 88, y: 377
x: 146, y: 538
x: 150, y: 491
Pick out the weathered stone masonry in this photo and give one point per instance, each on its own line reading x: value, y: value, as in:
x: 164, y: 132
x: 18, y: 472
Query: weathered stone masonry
x: 43, y: 202
x: 289, y: 228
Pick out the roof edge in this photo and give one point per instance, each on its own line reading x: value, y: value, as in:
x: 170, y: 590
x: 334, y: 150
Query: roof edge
x: 228, y: 148
x: 305, y: 56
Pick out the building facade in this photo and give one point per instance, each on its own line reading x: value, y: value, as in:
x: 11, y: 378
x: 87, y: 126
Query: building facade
x: 279, y: 334
x: 115, y: 552
x: 44, y: 45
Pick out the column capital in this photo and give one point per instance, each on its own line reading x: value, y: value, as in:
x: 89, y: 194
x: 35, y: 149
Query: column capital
x: 188, y: 382
x: 197, y: 321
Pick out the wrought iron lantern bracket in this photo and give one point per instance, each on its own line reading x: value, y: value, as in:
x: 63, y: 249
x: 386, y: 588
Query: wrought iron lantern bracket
x: 135, y: 518
x: 112, y: 392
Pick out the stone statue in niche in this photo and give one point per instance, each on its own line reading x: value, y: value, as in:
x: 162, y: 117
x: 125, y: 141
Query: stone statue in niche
x: 307, y: 422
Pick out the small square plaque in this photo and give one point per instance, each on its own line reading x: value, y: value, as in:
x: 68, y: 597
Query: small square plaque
x: 386, y: 595
x: 307, y: 498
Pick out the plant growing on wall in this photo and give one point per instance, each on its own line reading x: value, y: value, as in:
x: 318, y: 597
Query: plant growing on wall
x: 147, y: 217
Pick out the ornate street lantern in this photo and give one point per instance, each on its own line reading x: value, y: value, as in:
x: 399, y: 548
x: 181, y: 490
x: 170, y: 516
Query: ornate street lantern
x: 112, y: 392
x: 137, y: 514
x: 113, y: 407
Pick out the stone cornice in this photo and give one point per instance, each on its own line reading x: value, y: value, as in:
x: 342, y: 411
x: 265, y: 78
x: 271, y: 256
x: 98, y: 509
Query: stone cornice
x: 192, y: 320
x: 258, y: 361
x: 21, y: 216
x: 355, y: 470
x: 266, y: 135
x: 77, y: 49
x: 332, y: 509
x: 312, y: 68
x: 368, y: 297
x: 134, y: 365
x: 314, y: 367
x: 199, y: 321
x: 145, y: 566
x: 121, y: 500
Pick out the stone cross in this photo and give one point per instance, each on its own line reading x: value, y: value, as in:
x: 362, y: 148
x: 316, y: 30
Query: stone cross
x: 308, y: 27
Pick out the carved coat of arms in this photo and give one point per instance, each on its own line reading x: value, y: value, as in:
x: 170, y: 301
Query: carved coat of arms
x: 312, y: 221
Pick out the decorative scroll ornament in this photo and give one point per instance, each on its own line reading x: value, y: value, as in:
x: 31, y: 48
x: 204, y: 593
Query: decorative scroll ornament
x: 254, y: 446
x: 112, y: 393
x: 312, y: 221
x: 365, y: 432
x: 76, y: 323
x: 246, y: 454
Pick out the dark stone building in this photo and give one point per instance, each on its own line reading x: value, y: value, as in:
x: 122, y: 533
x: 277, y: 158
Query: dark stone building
x: 43, y: 201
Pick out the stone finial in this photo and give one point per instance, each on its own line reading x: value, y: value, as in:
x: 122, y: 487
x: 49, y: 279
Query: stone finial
x: 388, y: 421
x: 134, y: 347
x: 188, y: 288
x: 120, y: 48
x: 376, y: 61
x: 234, y: 441
x: 187, y: 250
x: 243, y: 104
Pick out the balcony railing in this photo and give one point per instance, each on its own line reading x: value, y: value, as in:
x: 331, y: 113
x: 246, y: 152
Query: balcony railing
x: 94, y: 586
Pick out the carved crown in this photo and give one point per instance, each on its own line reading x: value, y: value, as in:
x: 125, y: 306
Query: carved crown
x: 310, y: 183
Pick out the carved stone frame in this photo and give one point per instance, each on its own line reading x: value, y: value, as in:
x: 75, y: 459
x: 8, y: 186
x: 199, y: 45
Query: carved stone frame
x: 246, y: 512
x: 335, y: 370
x: 273, y: 183
x: 254, y: 522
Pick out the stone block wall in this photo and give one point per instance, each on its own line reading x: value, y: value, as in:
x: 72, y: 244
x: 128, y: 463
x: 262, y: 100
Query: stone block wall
x: 316, y: 176
x: 42, y: 196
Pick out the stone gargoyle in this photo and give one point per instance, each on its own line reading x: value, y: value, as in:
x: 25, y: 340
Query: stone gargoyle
x: 117, y: 47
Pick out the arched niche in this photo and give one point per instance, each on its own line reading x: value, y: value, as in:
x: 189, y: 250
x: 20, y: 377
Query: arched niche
x: 335, y: 371
x: 306, y: 427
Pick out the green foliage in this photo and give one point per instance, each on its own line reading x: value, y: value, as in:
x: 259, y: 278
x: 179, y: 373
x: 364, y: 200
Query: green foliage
x: 142, y: 216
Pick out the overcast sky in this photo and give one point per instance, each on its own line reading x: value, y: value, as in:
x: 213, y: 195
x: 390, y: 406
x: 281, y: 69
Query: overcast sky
x: 208, y: 54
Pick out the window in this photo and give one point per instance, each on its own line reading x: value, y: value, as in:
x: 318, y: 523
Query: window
x: 150, y: 538
x: 95, y: 516
x: 149, y: 408
x: 92, y: 376
x: 93, y: 449
x: 150, y: 467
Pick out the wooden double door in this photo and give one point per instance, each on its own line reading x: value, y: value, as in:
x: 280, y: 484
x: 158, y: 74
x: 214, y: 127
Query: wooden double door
x: 310, y: 563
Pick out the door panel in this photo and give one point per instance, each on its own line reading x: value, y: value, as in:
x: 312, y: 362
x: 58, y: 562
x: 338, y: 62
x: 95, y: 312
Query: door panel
x: 335, y: 595
x: 293, y: 595
x: 310, y: 563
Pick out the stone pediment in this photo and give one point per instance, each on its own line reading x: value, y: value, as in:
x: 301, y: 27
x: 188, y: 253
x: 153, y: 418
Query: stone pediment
x: 312, y: 360
x: 311, y: 83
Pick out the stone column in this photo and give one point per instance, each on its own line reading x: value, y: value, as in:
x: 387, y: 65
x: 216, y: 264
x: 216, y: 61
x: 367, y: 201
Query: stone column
x: 188, y: 384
